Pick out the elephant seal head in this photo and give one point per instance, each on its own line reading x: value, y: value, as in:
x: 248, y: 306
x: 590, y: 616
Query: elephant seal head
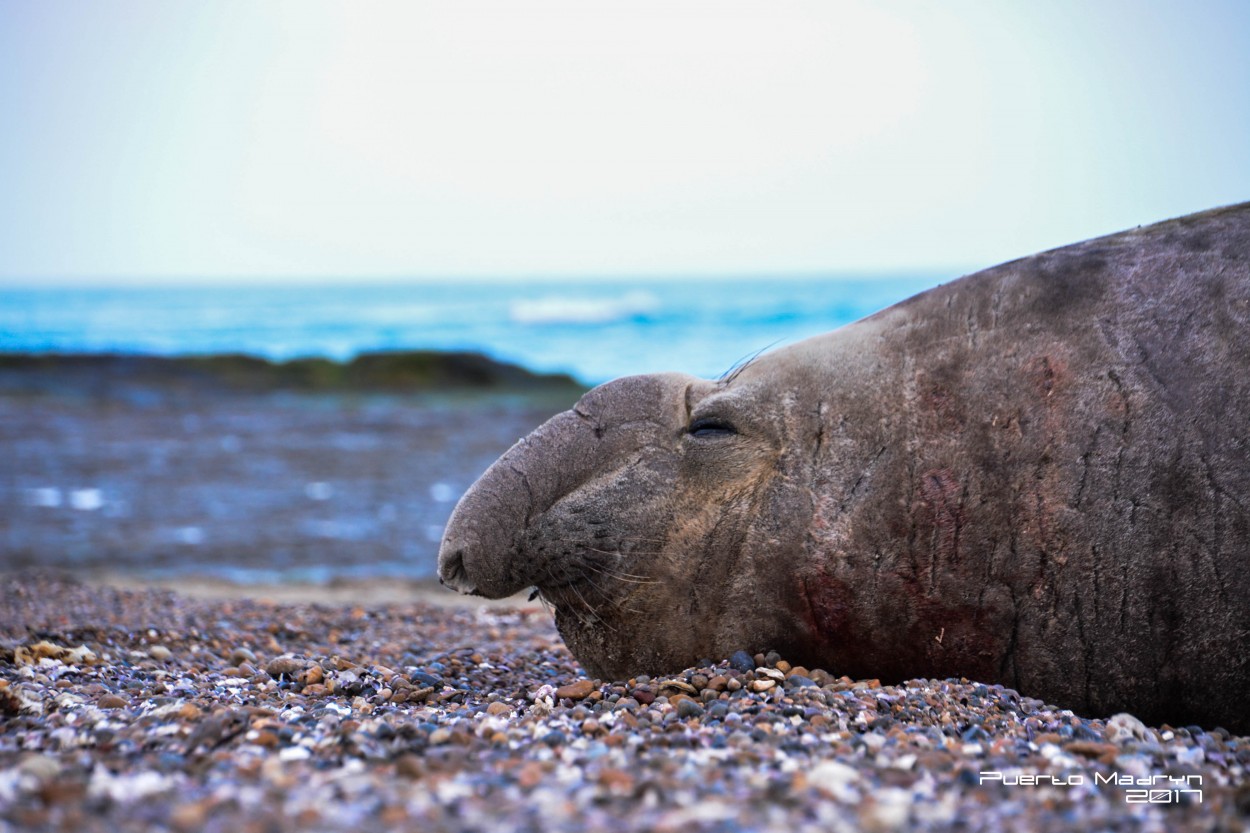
x: 658, y: 516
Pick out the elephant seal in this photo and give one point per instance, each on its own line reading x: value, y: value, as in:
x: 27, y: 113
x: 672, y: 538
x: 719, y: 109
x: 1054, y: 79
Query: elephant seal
x: 1037, y: 475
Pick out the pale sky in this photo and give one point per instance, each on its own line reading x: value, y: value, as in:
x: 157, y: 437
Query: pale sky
x: 262, y: 140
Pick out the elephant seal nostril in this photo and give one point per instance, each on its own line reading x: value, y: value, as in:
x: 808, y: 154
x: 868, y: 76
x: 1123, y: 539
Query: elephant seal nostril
x: 452, y: 573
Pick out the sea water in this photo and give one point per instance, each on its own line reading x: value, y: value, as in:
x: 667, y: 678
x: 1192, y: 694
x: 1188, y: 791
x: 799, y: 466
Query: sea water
x: 593, y: 330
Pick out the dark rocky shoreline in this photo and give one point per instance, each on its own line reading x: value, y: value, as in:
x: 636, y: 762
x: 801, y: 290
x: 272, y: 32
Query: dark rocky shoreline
x: 412, y: 371
x: 152, y: 711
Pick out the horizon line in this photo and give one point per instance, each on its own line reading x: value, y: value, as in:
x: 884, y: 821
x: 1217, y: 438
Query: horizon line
x: 185, y: 281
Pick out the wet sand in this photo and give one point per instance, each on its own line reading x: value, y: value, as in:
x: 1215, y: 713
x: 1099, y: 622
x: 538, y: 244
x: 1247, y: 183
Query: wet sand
x: 337, y: 592
x: 118, y: 470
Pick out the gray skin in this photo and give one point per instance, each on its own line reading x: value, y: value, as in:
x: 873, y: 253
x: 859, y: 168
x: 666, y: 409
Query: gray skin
x: 1037, y: 475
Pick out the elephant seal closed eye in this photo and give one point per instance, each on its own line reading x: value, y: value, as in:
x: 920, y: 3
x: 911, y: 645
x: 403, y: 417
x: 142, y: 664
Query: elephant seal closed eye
x: 1037, y: 475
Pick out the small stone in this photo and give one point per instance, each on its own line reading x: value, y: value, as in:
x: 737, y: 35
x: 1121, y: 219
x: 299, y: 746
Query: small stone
x: 40, y: 767
x: 783, y: 666
x: 160, y: 653
x: 616, y: 781
x: 424, y: 679
x: 1124, y: 727
x: 670, y: 687
x: 770, y: 673
x: 590, y: 726
x: 530, y: 774
x: 267, y: 739
x: 575, y: 691
x: 286, y: 667
x: 112, y: 701
x: 410, y: 766
x: 498, y: 708
x: 974, y: 734
x: 734, y: 684
x: 440, y: 736
x: 314, y: 675
x: 187, y: 817
x: 832, y: 777
x: 688, y: 708
x: 762, y: 685
x: 742, y: 661
x: 718, y: 683
x: 821, y: 677
x: 241, y: 655
x: 1091, y: 748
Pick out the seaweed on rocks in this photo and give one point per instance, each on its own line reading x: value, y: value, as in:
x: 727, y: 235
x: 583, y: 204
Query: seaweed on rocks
x: 389, y: 371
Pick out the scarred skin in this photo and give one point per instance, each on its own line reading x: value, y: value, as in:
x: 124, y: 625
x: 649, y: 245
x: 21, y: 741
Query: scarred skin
x: 1037, y: 475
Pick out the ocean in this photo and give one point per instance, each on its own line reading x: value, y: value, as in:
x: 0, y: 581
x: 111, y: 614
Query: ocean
x: 593, y: 331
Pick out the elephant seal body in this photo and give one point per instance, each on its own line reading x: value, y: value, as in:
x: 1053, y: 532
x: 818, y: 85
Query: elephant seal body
x: 1037, y: 475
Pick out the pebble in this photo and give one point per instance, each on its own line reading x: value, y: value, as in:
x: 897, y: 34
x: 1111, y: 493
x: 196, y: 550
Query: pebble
x: 424, y: 679
x: 742, y: 661
x: 284, y: 667
x: 160, y: 653
x: 688, y: 708
x: 40, y: 767
x: 1123, y: 727
x: 510, y: 735
x: 579, y: 690
x: 241, y: 655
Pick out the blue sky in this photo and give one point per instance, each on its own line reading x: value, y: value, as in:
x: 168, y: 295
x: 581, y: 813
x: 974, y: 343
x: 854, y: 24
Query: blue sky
x: 179, y: 141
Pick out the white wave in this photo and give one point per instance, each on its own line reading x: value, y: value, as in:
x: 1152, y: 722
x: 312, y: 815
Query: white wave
x: 86, y: 500
x: 561, y: 310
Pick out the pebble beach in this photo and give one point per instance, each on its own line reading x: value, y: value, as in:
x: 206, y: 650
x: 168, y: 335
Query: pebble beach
x: 151, y: 710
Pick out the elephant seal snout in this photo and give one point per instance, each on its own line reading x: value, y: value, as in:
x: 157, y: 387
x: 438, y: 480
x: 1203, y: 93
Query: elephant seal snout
x: 1037, y: 475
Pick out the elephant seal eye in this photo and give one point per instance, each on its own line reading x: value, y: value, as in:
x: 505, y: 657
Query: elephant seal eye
x: 710, y: 428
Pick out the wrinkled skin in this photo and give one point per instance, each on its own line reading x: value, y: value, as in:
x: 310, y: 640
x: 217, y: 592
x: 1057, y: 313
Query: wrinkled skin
x: 1036, y: 475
